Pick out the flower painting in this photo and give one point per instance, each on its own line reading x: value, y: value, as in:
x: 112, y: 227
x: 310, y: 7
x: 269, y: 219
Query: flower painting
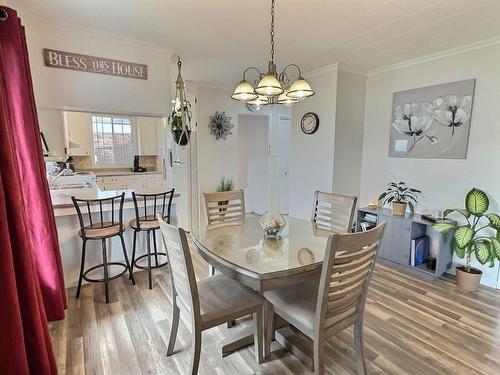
x: 432, y: 122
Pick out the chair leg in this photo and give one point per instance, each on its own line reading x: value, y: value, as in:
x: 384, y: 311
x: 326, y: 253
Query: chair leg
x: 131, y: 277
x: 154, y: 245
x: 319, y: 365
x: 173, y: 328
x: 269, y: 328
x: 133, y: 255
x: 150, y: 277
x: 195, y: 350
x: 258, y: 333
x: 82, y: 268
x: 105, y: 268
x: 358, y: 343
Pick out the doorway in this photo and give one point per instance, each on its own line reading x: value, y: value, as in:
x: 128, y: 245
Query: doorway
x: 253, y: 161
x: 284, y: 140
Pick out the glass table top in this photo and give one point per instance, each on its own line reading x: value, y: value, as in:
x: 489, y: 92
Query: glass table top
x: 243, y: 244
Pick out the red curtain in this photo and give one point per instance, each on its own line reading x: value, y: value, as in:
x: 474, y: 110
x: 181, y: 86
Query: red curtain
x: 31, y: 279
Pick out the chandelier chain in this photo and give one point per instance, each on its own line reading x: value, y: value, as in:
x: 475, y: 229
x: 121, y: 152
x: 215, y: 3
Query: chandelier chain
x: 272, y: 30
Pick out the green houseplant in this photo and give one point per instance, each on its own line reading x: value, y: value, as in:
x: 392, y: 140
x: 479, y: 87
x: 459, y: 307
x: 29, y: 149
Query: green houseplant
x: 180, y: 132
x: 479, y: 235
x: 225, y: 185
x: 400, y: 196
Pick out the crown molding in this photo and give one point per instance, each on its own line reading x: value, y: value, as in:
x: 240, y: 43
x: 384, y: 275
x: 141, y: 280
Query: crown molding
x: 64, y: 27
x: 322, y: 70
x: 436, y: 56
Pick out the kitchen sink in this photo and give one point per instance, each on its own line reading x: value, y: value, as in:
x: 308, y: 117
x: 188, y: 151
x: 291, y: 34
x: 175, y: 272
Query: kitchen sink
x: 71, y: 186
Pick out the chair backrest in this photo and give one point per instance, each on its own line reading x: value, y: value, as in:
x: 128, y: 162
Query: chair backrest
x: 152, y: 204
x: 346, y: 274
x: 333, y: 212
x: 224, y: 206
x: 181, y: 266
x: 92, y: 213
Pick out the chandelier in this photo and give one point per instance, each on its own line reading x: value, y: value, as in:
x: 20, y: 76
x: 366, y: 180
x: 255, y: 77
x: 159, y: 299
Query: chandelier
x: 272, y: 88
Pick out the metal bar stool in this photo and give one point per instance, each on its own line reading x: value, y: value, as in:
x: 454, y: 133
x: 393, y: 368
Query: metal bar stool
x: 101, y: 229
x: 152, y: 204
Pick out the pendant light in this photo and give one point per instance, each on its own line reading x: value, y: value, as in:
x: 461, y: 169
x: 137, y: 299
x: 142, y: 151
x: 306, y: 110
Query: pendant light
x: 272, y: 88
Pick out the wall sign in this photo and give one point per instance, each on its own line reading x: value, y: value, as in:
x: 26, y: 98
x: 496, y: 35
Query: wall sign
x: 93, y: 64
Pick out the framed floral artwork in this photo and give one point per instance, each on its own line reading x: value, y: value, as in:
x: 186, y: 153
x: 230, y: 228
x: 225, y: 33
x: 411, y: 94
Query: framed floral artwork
x: 432, y: 122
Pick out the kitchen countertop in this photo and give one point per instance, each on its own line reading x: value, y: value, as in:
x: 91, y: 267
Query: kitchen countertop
x: 119, y: 172
x: 62, y: 198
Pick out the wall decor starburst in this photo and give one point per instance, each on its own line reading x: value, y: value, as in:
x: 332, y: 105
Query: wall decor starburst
x: 220, y: 125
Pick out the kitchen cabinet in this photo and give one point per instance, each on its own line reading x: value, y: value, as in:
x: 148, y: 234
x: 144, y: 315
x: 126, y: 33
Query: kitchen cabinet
x: 78, y: 133
x: 147, y: 134
x: 50, y: 121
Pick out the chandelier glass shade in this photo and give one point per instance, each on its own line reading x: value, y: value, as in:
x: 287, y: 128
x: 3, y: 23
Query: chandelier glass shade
x: 271, y: 87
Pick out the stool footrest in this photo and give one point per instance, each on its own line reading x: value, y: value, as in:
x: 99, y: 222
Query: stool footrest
x: 152, y: 266
x: 92, y: 280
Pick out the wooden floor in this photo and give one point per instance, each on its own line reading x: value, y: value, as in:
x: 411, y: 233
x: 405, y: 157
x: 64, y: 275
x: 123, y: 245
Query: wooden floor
x: 412, y: 327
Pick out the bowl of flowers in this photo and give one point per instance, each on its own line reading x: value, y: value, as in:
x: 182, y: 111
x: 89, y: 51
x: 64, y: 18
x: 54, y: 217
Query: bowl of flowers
x: 272, y: 224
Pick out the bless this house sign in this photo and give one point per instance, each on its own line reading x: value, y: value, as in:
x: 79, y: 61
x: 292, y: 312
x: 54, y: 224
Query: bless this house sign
x: 92, y: 64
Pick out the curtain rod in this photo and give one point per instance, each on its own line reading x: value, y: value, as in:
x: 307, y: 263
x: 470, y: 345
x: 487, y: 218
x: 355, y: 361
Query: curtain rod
x: 3, y: 15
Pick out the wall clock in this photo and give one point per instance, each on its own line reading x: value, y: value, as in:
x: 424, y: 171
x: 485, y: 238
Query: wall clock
x: 309, y: 123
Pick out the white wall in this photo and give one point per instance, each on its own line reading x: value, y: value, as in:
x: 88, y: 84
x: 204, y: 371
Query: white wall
x: 444, y: 182
x: 349, y: 127
x: 61, y: 88
x: 311, y: 160
x: 57, y: 89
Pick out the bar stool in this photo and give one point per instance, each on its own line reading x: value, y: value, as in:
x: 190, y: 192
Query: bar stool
x: 151, y: 205
x: 101, y: 229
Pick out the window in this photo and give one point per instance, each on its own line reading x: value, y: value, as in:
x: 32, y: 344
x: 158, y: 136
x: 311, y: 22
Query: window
x: 113, y: 140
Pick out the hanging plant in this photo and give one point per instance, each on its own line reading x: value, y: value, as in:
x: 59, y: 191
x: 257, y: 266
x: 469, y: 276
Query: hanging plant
x: 180, y: 119
x: 180, y: 133
x: 220, y: 125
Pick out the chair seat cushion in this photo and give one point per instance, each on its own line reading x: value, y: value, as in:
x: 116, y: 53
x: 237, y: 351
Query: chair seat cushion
x: 145, y: 224
x: 107, y: 229
x: 298, y: 302
x: 222, y: 296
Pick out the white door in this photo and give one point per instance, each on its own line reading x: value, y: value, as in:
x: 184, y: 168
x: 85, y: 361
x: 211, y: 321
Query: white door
x: 179, y: 169
x: 285, y: 126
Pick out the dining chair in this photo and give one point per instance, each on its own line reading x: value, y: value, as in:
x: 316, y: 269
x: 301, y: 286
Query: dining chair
x: 333, y: 212
x: 145, y: 221
x: 210, y: 302
x: 322, y: 308
x: 95, y: 225
x: 224, y: 206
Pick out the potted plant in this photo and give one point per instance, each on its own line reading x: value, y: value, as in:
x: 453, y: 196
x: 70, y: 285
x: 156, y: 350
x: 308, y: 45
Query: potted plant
x: 225, y: 185
x: 180, y: 132
x: 400, y: 196
x: 479, y: 235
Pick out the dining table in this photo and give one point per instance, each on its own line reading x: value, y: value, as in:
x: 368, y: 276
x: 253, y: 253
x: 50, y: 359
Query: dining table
x: 240, y: 250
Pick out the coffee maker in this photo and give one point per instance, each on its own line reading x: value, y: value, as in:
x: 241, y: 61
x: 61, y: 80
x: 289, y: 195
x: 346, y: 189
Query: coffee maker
x: 137, y: 167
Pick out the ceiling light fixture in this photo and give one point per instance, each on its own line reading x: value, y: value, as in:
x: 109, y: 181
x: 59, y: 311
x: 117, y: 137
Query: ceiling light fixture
x: 272, y: 88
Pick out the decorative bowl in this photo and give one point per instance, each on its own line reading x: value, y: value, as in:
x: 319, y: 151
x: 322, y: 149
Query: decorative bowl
x: 272, y: 223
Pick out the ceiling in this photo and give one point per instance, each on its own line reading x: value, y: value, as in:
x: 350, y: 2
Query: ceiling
x: 218, y: 38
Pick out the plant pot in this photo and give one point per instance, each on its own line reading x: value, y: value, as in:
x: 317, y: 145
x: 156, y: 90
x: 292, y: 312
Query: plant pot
x: 399, y: 208
x: 181, y: 139
x: 468, y: 280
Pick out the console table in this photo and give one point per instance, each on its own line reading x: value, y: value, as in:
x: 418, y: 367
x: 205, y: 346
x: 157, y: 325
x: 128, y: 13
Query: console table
x: 395, y: 247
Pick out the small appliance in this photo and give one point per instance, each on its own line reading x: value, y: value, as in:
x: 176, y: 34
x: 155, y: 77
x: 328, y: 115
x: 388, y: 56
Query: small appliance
x: 137, y: 167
